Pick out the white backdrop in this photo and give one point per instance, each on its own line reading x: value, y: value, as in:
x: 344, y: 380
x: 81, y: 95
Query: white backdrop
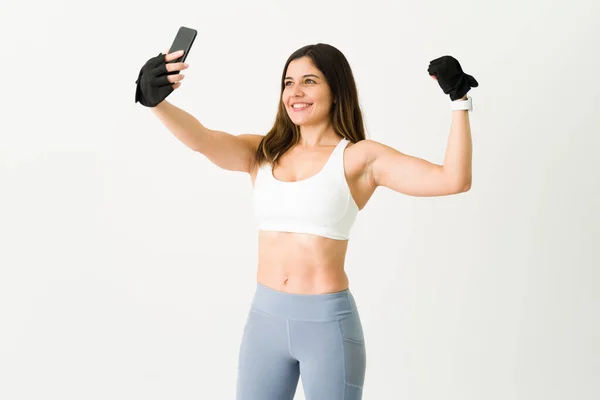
x: 128, y: 261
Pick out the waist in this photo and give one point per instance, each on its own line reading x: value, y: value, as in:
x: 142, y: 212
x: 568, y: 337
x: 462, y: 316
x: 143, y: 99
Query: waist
x: 306, y: 307
x: 297, y: 284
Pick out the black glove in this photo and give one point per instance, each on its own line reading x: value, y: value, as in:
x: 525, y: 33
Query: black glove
x: 451, y: 77
x: 152, y: 83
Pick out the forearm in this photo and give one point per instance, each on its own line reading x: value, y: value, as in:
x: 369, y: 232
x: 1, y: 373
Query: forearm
x: 458, y: 159
x: 183, y: 125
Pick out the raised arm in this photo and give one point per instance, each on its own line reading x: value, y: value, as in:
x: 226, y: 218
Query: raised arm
x: 417, y: 177
x: 156, y: 81
x: 227, y: 151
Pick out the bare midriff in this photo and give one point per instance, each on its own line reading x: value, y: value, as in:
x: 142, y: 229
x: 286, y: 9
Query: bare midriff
x: 301, y: 263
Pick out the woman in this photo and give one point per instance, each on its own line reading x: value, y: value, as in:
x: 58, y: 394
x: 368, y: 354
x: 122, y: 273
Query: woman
x: 311, y: 173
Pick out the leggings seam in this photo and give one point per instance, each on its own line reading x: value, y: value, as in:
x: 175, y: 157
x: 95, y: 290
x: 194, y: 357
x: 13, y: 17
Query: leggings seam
x: 339, y: 324
x: 354, y: 341
x: 356, y: 386
x: 261, y: 311
x: 289, y: 339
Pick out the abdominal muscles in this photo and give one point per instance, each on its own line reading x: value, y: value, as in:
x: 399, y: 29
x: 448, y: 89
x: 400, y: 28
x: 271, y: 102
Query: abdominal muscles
x: 301, y: 263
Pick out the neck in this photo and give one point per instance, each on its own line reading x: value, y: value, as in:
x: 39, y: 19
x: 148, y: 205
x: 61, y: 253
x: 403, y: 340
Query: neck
x: 313, y: 136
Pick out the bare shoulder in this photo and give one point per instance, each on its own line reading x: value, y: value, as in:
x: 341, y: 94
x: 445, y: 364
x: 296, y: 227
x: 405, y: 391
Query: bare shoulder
x: 368, y: 150
x: 364, y: 152
x: 362, y: 156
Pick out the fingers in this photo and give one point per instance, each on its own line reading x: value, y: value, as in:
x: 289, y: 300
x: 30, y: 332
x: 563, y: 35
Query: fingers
x: 472, y: 81
x: 175, y: 78
x: 166, y: 80
x: 176, y: 66
x: 432, y: 69
x: 163, y: 68
x: 173, y: 56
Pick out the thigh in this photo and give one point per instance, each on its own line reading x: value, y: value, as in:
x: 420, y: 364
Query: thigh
x: 266, y: 371
x: 332, y: 358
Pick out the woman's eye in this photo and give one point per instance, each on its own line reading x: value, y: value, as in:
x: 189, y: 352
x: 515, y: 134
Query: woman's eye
x: 306, y: 81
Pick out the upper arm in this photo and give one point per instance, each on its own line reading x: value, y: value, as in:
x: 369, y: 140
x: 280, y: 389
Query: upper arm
x: 407, y: 174
x: 231, y: 152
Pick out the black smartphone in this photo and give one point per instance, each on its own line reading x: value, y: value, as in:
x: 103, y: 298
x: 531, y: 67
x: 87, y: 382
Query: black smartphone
x: 183, y: 41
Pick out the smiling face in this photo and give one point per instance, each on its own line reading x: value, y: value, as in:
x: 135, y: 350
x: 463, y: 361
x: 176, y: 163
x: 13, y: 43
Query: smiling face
x: 306, y: 94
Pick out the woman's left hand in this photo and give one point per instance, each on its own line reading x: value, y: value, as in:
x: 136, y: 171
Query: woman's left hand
x: 448, y: 73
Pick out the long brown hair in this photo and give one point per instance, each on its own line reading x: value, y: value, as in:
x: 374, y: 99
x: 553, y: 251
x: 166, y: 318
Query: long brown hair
x: 346, y: 115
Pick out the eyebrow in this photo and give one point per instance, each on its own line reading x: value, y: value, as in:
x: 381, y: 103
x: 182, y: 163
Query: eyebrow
x: 305, y: 76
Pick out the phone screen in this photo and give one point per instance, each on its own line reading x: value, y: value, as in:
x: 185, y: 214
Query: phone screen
x: 183, y: 41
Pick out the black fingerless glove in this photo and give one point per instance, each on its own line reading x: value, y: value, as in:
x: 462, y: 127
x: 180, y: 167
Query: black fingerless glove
x: 451, y: 77
x: 152, y: 83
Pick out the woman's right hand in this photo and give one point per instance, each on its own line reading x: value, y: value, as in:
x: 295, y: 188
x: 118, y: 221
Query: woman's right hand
x: 158, y: 78
x: 175, y: 76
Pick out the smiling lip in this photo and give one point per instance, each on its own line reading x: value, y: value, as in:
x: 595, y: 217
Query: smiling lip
x: 301, y: 109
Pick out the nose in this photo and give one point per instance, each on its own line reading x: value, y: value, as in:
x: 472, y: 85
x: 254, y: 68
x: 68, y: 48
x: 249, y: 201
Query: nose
x: 297, y: 91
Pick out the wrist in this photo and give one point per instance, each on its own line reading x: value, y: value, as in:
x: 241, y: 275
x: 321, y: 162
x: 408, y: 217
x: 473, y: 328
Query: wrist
x: 464, y: 103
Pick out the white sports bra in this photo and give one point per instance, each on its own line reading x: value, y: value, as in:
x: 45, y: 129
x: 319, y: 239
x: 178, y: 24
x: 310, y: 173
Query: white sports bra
x: 320, y: 205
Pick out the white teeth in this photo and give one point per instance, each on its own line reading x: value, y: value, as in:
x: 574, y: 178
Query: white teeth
x: 300, y: 105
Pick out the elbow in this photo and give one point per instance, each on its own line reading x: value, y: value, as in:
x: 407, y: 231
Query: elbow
x: 462, y: 186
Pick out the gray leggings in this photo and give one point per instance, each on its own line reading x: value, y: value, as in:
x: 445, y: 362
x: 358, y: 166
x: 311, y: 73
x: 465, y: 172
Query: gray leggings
x: 316, y: 336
